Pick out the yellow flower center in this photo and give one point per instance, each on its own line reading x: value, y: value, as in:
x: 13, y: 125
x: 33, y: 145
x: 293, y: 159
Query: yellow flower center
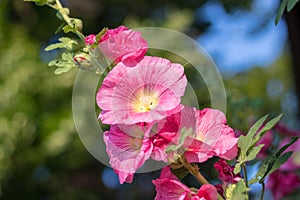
x: 144, y: 101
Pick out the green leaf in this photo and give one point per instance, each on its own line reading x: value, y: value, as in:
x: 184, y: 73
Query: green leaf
x: 59, y: 16
x: 65, y: 42
x: 61, y: 70
x: 245, y: 142
x: 67, y: 56
x: 54, y: 46
x: 280, y: 160
x: 101, y: 33
x: 237, y: 168
x: 252, y: 153
x: 282, y: 149
x: 63, y: 24
x: 266, y: 128
x: 261, y: 172
x: 273, y: 162
x: 291, y: 4
x: 67, y: 28
x: 280, y: 11
x: 248, y: 141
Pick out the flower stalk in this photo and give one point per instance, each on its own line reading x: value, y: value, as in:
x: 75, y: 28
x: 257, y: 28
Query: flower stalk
x: 66, y: 17
x: 194, y: 170
x: 262, y: 191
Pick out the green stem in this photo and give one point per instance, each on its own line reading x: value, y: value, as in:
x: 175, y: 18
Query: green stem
x: 262, y: 191
x: 245, y: 174
x: 67, y: 19
x: 194, y: 171
x: 245, y: 177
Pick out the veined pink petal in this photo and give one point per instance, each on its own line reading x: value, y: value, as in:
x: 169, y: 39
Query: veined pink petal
x: 213, y: 137
x: 127, y: 152
x: 124, y: 176
x: 207, y: 192
x: 169, y: 187
x: 226, y: 147
x: 123, y: 45
x: 168, y: 133
x: 149, y: 91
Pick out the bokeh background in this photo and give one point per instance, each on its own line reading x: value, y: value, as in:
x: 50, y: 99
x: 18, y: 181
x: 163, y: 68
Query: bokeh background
x: 41, y: 155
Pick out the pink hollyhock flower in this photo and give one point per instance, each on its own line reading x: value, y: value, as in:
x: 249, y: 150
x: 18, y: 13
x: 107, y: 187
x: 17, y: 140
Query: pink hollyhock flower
x: 282, y: 184
x: 226, y: 172
x: 90, y: 39
x: 169, y: 187
x: 213, y: 137
x: 123, y: 45
x: 127, y: 149
x: 129, y: 146
x: 150, y: 91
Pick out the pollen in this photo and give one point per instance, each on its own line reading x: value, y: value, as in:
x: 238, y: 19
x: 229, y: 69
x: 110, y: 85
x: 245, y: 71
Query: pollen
x: 145, y: 101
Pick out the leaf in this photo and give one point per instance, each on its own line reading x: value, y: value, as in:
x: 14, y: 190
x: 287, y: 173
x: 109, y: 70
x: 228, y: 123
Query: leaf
x: 280, y: 11
x: 67, y: 56
x: 61, y: 70
x: 252, y: 153
x: 261, y: 172
x: 245, y: 142
x: 282, y: 149
x: 237, y: 168
x: 63, y: 24
x: 53, y: 46
x: 273, y: 162
x: 280, y: 160
x: 266, y: 128
x: 291, y: 4
x: 101, y: 33
x: 65, y: 42
x: 67, y: 28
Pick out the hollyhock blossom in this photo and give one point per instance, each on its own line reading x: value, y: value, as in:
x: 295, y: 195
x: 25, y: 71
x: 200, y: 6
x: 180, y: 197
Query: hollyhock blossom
x: 123, y: 45
x: 226, y: 173
x: 127, y: 149
x: 169, y: 187
x: 282, y: 183
x: 129, y: 146
x: 90, y: 39
x: 150, y: 91
x: 213, y: 137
